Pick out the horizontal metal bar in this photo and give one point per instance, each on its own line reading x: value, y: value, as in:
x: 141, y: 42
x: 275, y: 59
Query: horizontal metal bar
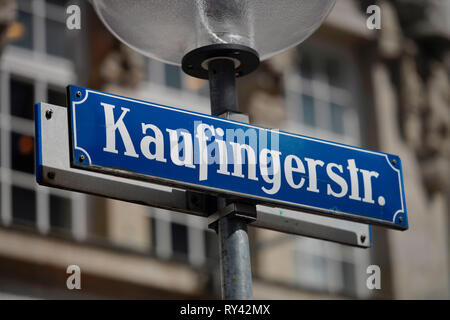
x: 54, y: 170
x: 313, y: 226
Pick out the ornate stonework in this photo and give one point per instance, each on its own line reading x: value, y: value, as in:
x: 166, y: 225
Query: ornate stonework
x: 414, y: 47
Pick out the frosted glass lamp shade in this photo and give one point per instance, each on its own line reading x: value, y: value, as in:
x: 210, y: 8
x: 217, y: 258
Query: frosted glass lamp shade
x: 168, y: 29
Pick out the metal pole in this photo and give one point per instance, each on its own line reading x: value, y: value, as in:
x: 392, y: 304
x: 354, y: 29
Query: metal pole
x: 235, y: 267
x: 222, y: 86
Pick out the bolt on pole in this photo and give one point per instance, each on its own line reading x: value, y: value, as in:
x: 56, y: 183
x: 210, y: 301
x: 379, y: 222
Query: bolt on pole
x: 235, y: 266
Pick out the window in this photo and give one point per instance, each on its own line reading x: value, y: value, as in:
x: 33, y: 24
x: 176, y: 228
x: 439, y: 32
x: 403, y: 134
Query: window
x: 39, y: 23
x: 181, y: 236
x: 26, y: 78
x: 22, y: 153
x: 306, y: 68
x: 331, y: 267
x: 56, y: 96
x: 309, y: 116
x: 24, y: 30
x: 322, y: 95
x: 22, y: 98
x: 173, y: 77
x: 337, y: 118
x: 24, y: 206
x: 324, y: 266
x: 60, y: 214
x: 23, y: 202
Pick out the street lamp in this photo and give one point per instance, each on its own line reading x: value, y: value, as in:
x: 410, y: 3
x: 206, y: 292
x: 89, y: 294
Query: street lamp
x: 217, y: 40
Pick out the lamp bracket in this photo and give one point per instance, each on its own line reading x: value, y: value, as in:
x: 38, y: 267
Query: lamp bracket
x: 195, y: 63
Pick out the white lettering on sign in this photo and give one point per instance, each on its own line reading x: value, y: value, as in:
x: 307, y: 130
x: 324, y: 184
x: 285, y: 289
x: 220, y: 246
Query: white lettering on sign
x: 157, y: 141
x: 203, y: 149
x: 188, y: 160
x: 238, y: 150
x: 275, y: 181
x: 343, y: 180
x: 299, y: 168
x: 337, y: 179
x: 112, y: 126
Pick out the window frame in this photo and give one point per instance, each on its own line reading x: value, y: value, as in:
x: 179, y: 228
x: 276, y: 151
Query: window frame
x: 349, y: 98
x: 41, y: 11
x: 44, y: 71
x: 196, y: 239
x: 320, y: 89
x: 157, y: 78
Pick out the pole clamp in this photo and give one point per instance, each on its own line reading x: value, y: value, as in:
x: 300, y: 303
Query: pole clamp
x: 239, y: 210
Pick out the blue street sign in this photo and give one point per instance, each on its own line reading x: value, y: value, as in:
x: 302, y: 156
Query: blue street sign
x: 147, y: 141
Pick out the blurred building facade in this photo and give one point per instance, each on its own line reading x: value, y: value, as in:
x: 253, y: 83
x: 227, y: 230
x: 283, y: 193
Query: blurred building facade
x: 384, y: 89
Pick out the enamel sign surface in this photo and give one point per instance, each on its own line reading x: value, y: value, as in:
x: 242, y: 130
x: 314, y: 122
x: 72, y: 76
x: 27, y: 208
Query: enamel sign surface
x: 146, y: 141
